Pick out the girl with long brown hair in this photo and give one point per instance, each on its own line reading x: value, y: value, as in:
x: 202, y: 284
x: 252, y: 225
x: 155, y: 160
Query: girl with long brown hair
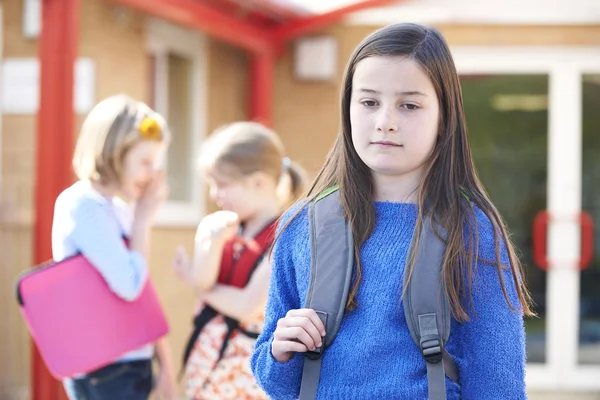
x: 401, y: 154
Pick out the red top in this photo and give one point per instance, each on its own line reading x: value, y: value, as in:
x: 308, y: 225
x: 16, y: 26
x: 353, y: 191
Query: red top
x: 241, y: 256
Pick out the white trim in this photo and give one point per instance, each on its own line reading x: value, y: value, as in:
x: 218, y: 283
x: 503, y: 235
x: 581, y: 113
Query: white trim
x: 541, y: 377
x: 506, y: 12
x: 565, y: 68
x: 523, y: 60
x: 163, y: 37
x: 564, y: 199
x: 579, y: 379
x: 21, y: 85
x: 32, y: 18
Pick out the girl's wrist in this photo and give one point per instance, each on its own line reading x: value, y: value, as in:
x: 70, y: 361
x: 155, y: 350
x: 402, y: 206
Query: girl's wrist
x: 142, y: 222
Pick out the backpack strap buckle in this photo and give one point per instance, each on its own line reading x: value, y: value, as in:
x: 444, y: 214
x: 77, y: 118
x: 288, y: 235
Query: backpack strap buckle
x: 431, y: 348
x: 314, y: 354
x: 318, y: 352
x: 430, y: 340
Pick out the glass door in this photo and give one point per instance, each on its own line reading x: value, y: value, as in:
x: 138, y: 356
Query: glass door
x: 589, y: 294
x: 507, y: 120
x: 534, y: 125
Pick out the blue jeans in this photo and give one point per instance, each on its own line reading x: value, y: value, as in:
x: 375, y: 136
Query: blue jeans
x: 129, y: 380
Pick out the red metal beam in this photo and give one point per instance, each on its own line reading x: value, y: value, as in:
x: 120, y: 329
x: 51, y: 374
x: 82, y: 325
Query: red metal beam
x: 273, y: 9
x: 261, y: 88
x: 306, y: 25
x: 259, y: 18
x: 55, y: 136
x: 196, y: 15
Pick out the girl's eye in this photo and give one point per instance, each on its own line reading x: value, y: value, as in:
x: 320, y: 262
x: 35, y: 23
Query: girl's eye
x: 369, y: 103
x: 223, y: 184
x: 410, y: 106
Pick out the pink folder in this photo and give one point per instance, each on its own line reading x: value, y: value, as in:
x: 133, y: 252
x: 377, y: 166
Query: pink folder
x: 78, y: 323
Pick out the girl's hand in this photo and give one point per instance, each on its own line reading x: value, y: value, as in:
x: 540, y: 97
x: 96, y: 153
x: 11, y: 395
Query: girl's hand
x: 218, y: 226
x: 182, y: 265
x: 153, y: 197
x: 166, y: 385
x: 298, y: 332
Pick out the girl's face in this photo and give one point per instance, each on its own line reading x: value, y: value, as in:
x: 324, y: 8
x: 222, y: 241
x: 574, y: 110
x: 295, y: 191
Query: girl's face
x: 139, y: 166
x: 241, y: 195
x: 394, y: 115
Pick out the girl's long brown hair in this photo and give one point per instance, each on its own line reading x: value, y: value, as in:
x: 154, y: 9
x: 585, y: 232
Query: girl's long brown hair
x: 449, y: 177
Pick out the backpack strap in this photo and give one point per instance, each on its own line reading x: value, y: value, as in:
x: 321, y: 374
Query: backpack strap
x: 427, y: 311
x: 332, y: 259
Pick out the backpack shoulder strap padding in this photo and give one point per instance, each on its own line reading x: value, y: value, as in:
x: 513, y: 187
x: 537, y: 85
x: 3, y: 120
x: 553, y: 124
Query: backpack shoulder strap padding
x: 331, y: 265
x: 332, y: 259
x: 426, y: 273
x: 426, y: 307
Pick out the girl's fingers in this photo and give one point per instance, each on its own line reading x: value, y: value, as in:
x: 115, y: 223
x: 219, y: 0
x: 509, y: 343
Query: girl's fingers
x: 282, y: 347
x: 181, y: 254
x: 297, y: 334
x: 307, y: 325
x: 310, y: 314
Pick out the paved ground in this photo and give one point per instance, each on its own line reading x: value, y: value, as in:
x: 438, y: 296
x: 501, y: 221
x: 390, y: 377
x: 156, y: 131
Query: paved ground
x: 564, y: 396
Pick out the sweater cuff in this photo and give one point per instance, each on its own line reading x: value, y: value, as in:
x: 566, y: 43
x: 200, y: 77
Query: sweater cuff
x: 279, y: 380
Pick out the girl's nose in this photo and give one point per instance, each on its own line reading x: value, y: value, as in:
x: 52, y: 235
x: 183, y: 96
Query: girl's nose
x: 387, y: 123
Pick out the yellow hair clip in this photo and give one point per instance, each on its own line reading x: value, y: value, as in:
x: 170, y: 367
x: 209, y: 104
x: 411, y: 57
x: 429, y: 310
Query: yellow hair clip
x: 150, y: 129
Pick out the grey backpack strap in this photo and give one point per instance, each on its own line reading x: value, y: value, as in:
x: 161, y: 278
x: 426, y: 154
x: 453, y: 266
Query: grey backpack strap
x: 330, y: 275
x: 427, y: 311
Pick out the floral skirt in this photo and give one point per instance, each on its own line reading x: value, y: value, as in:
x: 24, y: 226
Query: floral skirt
x: 208, y: 378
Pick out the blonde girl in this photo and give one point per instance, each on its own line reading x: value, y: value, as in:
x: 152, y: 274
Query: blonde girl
x: 119, y: 191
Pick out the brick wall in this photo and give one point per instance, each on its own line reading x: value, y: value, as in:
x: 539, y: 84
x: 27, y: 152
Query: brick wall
x: 305, y: 115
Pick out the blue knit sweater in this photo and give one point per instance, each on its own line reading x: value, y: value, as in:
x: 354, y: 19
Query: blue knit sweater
x: 373, y: 355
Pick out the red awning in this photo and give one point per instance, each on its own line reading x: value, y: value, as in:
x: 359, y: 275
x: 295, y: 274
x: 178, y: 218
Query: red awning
x: 260, y: 26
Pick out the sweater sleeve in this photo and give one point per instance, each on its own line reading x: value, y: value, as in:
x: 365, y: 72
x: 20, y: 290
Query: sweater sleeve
x: 96, y: 236
x: 491, y: 362
x: 280, y: 381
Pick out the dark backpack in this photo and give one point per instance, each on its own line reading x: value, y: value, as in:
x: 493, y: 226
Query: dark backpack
x: 332, y: 261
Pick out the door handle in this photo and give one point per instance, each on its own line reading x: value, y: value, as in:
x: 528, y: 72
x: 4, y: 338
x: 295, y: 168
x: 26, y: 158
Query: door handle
x: 540, y: 231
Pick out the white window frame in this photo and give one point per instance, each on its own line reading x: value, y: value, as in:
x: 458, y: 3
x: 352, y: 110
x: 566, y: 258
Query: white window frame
x: 565, y: 67
x: 162, y: 38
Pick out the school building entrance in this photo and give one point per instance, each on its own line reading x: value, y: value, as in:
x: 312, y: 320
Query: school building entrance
x: 530, y: 74
x: 533, y: 116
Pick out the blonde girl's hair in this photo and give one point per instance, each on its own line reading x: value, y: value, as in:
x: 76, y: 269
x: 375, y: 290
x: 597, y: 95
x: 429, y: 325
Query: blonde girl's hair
x: 109, y: 131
